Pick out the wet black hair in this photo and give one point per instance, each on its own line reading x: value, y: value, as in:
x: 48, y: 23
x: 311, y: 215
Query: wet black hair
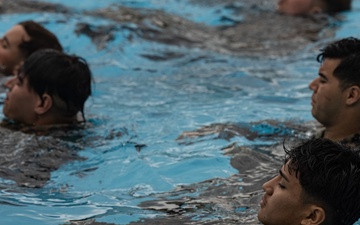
x: 40, y: 38
x: 335, y: 6
x: 329, y: 174
x: 348, y: 51
x: 64, y: 77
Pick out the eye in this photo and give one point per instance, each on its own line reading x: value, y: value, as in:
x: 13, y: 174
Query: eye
x: 281, y: 186
x: 3, y: 43
x: 322, y: 80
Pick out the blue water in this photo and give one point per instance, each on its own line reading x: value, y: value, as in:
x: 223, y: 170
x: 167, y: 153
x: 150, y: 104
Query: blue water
x: 152, y: 103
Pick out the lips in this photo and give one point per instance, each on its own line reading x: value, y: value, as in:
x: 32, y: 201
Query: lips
x: 313, y: 100
x: 263, y: 202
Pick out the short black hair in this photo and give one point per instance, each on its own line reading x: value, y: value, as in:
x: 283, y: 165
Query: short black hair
x: 348, y: 51
x: 329, y: 174
x: 335, y: 6
x: 66, y: 78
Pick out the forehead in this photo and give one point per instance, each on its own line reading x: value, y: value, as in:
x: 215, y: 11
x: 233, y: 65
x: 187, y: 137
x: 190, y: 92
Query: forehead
x: 17, y: 35
x: 329, y: 65
x: 289, y: 173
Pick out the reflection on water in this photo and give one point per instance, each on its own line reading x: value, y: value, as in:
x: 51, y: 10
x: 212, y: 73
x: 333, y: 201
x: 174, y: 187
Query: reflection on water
x: 231, y: 74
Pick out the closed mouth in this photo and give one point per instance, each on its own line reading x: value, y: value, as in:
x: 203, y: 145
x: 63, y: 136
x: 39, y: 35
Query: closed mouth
x: 263, y: 202
x: 312, y: 100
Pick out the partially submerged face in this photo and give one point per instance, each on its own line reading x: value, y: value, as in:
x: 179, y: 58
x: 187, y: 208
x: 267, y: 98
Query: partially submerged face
x: 282, y: 202
x: 298, y: 7
x: 20, y: 101
x: 10, y: 55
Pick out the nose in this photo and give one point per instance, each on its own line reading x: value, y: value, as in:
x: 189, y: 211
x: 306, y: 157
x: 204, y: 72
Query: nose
x: 314, y: 84
x: 268, y: 186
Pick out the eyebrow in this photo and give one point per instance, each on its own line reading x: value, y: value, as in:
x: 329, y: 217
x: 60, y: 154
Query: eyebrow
x: 283, y: 175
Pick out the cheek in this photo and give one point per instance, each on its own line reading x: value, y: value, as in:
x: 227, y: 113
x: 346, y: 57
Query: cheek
x: 9, y: 57
x: 284, y: 201
x: 296, y: 7
x: 276, y: 212
x: 324, y: 94
x: 3, y: 55
x: 20, y: 97
x: 7, y: 60
x: 330, y: 96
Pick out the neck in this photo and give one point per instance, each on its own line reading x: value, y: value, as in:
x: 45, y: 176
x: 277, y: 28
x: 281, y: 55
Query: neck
x: 342, y: 131
x: 54, y: 120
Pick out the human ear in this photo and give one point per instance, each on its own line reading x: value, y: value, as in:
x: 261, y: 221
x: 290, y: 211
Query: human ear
x: 44, y: 104
x: 352, y: 95
x: 315, y: 216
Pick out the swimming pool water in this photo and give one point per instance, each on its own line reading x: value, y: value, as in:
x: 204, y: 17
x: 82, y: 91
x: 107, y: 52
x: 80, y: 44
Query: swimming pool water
x: 146, y: 94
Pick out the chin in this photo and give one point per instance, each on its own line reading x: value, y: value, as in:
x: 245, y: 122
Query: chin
x: 6, y: 114
x: 260, y: 215
x: 261, y: 220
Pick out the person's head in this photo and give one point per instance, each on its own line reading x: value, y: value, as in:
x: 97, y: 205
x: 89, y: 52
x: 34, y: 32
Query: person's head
x: 304, y: 7
x: 21, y: 41
x: 50, y: 88
x: 317, y: 184
x: 337, y: 89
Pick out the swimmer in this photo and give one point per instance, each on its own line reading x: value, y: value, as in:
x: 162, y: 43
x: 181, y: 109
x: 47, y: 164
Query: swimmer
x: 50, y: 88
x: 303, y: 7
x: 317, y: 184
x: 21, y: 41
x: 335, y: 99
x: 336, y: 91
